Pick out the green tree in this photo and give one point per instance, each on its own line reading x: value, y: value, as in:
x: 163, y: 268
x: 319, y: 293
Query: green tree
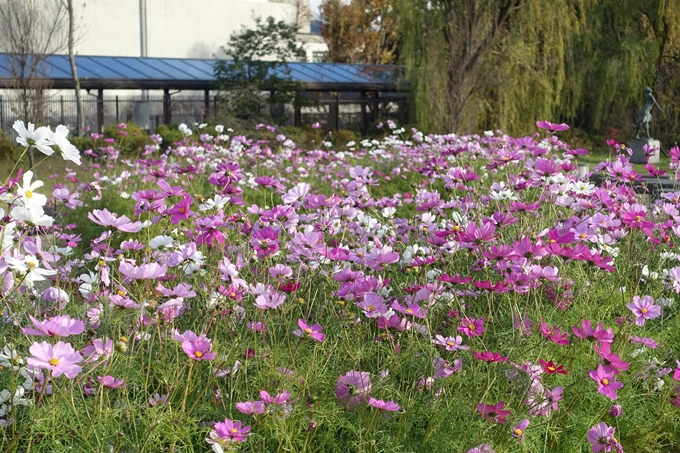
x: 256, y: 76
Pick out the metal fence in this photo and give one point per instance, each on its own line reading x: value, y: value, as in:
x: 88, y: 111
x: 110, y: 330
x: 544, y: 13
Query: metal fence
x: 148, y: 113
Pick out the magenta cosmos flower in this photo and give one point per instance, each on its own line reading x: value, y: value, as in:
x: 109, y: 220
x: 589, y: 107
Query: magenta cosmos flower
x: 182, y: 210
x: 606, y: 380
x: 389, y: 406
x: 60, y: 326
x: 596, y: 334
x: 494, y: 412
x: 59, y: 359
x: 313, y: 332
x: 111, y: 382
x: 644, y: 309
x: 488, y: 356
x: 472, y: 327
x: 353, y: 388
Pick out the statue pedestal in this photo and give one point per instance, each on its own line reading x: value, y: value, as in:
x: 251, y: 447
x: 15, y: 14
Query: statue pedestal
x: 638, y: 156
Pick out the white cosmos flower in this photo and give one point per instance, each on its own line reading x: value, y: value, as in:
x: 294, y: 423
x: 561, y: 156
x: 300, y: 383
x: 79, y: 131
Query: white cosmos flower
x: 38, y: 218
x: 161, y: 242
x: 30, y: 266
x: 217, y: 202
x: 6, y: 233
x: 10, y: 357
x: 60, y: 143
x: 33, y: 137
x: 28, y: 197
x: 89, y: 280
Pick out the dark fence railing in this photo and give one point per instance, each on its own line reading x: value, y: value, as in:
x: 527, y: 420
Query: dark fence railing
x: 101, y: 112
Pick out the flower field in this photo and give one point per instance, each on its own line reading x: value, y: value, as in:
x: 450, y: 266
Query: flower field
x: 417, y: 293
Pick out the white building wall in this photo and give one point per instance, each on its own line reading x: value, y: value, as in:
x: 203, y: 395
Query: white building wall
x: 176, y: 28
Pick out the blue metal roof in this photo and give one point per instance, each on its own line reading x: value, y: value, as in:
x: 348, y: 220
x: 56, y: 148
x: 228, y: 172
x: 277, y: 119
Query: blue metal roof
x: 184, y: 73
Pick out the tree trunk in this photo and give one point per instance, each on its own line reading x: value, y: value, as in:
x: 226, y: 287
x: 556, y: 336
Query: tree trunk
x: 74, y: 71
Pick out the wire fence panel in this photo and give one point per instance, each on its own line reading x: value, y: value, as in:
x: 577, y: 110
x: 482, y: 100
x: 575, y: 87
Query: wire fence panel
x: 151, y: 112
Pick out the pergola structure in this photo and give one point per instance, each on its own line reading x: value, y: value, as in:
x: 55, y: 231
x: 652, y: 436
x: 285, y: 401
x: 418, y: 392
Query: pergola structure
x: 105, y: 73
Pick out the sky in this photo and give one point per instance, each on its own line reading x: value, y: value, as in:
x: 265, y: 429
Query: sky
x: 314, y: 7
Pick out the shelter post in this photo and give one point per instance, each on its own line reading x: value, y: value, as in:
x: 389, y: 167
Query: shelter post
x: 100, y: 110
x: 166, y: 106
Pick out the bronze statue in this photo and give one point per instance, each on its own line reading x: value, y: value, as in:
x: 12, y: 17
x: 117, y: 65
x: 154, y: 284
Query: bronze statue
x: 645, y: 113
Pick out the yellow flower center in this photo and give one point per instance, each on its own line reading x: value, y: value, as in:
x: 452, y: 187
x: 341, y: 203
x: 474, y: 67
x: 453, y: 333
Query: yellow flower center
x: 637, y: 218
x: 54, y: 361
x: 371, y: 308
x: 121, y: 293
x: 519, y: 432
x: 408, y: 310
x: 182, y: 210
x: 551, y: 368
x: 643, y: 310
x: 233, y: 430
x: 450, y: 343
x: 198, y: 354
x: 471, y: 326
x: 605, y: 381
x: 308, y: 331
x: 31, y: 265
x: 29, y: 194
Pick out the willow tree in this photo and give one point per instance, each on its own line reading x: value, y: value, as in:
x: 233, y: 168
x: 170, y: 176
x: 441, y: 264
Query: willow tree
x: 490, y: 63
x: 477, y: 64
x: 623, y: 51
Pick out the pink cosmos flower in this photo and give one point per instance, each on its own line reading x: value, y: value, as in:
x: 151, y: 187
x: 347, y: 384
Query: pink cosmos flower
x: 313, y: 332
x: 547, y: 125
x: 602, y: 438
x: 280, y: 399
x: 59, y: 359
x: 267, y: 301
x: 231, y: 431
x: 143, y: 272
x: 413, y: 310
x: 198, y: 349
x: 644, y: 309
x: 450, y: 343
x: 61, y: 326
x: 98, y: 348
x: 472, y: 327
x: 353, y: 388
x: 494, y: 412
x: 111, y: 382
x: 389, y: 406
x: 106, y: 218
x: 250, y: 407
x: 518, y: 430
x: 649, y: 342
x: 607, y: 385
x: 590, y: 334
